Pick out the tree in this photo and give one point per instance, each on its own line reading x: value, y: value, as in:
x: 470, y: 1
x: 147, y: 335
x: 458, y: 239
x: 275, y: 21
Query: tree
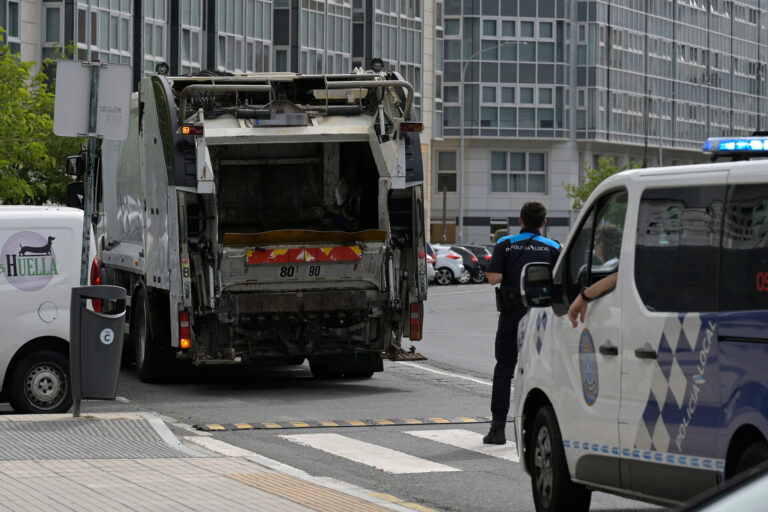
x: 32, y: 158
x: 592, y: 178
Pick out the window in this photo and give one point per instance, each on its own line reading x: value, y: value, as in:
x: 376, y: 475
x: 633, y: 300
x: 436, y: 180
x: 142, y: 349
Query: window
x: 594, y: 253
x: 744, y: 279
x: 518, y: 172
x: 446, y: 171
x: 678, y: 244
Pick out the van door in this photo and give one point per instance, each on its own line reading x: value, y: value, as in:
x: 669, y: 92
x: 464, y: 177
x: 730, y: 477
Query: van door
x: 670, y: 380
x: 587, y: 397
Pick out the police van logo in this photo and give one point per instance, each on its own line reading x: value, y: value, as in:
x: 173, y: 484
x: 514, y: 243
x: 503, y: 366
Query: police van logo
x: 28, y: 260
x: 590, y: 385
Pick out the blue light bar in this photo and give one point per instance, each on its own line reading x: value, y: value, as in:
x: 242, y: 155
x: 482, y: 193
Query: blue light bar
x: 736, y: 146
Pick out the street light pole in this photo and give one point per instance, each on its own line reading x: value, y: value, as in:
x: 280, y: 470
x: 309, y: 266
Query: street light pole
x: 461, y: 134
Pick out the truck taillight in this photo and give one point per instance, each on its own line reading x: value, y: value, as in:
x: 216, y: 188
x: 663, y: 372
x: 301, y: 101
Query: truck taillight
x: 411, y: 127
x: 185, y: 337
x: 191, y: 130
x: 95, y: 280
x: 415, y: 322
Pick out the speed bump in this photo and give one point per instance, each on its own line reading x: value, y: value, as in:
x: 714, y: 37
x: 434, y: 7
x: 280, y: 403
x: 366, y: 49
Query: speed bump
x: 379, y: 422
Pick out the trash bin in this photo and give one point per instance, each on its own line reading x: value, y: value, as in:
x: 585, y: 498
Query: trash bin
x: 96, y: 342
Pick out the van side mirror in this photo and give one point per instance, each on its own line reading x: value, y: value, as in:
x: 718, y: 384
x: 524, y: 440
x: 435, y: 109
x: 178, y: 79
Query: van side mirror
x: 536, y: 285
x: 75, y: 165
x: 75, y: 194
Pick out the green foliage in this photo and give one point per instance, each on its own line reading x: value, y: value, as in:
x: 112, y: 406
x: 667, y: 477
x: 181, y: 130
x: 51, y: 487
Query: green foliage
x: 32, y: 158
x: 592, y: 178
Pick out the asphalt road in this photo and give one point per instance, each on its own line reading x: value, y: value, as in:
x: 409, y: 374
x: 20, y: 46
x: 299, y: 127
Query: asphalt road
x: 454, y: 382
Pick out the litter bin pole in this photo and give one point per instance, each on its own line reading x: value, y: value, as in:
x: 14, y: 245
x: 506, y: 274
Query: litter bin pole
x: 95, y: 343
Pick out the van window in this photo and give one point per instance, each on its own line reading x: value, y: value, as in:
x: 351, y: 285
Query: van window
x: 677, y: 250
x: 744, y: 282
x: 595, y: 251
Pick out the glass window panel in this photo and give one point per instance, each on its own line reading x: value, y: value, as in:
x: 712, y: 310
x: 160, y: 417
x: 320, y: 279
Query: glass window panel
x: 159, y: 41
x: 545, y: 96
x: 490, y: 50
x: 451, y: 94
x: 508, y: 28
x: 517, y: 183
x: 527, y: 117
x: 526, y: 95
x: 80, y: 26
x: 52, y: 24
x: 507, y: 117
x: 451, y: 115
x: 281, y: 60
x: 195, y: 47
x: 149, y: 8
x: 221, y: 15
x: 266, y: 21
x: 114, y: 36
x: 517, y: 161
x: 489, y: 117
x: 148, y: 32
x: 536, y: 183
x: 545, y: 29
x: 320, y: 31
x: 311, y: 27
x: 509, y: 52
x: 489, y: 27
x: 546, y: 52
x: 536, y: 162
x: 196, y: 13
x: 526, y: 29
x: 528, y: 51
x: 186, y: 14
x: 185, y: 44
x: 345, y: 35
x: 489, y: 94
x: 498, y: 182
x: 231, y: 20
x: 452, y: 27
x: 453, y: 49
x: 498, y: 161
x: 103, y: 29
x: 239, y: 17
x: 507, y: 94
x: 446, y: 160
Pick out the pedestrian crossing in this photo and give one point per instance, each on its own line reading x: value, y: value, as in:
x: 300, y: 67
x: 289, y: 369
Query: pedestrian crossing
x: 397, y: 462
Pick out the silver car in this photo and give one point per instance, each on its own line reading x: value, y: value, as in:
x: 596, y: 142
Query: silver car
x: 449, y: 267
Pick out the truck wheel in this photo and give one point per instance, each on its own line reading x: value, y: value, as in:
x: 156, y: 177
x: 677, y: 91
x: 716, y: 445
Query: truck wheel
x: 550, y: 481
x: 752, y: 455
x: 443, y: 276
x: 40, y: 383
x: 152, y: 363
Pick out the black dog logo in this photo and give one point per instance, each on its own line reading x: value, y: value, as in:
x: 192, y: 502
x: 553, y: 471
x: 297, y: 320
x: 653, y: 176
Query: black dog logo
x: 45, y: 249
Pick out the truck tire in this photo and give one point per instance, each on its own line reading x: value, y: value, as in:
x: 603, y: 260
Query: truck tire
x: 150, y: 331
x: 40, y: 383
x: 550, y: 481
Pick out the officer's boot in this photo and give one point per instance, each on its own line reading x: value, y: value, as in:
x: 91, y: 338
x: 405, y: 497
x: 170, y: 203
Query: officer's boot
x: 496, y: 434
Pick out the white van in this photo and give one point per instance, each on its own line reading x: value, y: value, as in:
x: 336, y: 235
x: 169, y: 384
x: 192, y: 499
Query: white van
x: 662, y: 392
x: 40, y: 254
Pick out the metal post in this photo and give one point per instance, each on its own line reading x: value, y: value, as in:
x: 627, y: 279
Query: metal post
x: 461, y: 135
x: 88, y: 189
x: 445, y: 227
x: 658, y: 129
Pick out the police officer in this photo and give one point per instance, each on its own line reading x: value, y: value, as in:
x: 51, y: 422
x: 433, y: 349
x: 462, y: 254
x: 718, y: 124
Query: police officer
x: 510, y: 255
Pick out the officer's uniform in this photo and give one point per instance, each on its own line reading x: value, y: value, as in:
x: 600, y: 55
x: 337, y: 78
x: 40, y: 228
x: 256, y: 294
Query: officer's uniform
x: 510, y: 255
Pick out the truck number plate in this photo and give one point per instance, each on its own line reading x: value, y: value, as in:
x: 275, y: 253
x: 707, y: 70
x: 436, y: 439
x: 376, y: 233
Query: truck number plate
x: 294, y: 272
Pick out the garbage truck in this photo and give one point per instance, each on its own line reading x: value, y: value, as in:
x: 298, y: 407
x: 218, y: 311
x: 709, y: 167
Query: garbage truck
x: 266, y: 219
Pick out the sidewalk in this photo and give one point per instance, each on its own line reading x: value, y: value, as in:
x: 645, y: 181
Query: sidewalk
x: 134, y: 462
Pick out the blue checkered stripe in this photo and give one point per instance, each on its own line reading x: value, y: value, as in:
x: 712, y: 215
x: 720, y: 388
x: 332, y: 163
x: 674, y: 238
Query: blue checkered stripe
x: 673, y: 459
x: 541, y: 325
x: 671, y: 380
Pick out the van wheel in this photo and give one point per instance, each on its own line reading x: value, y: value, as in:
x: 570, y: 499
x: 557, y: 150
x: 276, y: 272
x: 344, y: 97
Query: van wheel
x: 149, y: 331
x: 550, y: 481
x: 40, y: 383
x: 443, y: 276
x: 752, y: 455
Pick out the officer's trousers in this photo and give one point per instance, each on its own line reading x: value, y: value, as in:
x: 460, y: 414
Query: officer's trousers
x: 506, y: 359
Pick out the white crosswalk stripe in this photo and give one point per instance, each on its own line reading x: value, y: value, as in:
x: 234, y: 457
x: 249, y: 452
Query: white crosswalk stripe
x: 379, y: 457
x: 468, y: 440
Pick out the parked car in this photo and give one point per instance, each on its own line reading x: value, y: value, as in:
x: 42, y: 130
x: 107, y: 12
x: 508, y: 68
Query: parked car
x: 471, y: 263
x: 483, y: 258
x: 448, y: 265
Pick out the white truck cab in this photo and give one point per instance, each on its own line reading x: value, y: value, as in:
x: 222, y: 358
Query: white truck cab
x: 40, y: 254
x: 662, y: 391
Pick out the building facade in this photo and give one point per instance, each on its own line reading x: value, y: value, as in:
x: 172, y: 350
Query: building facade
x: 536, y: 89
x: 547, y: 87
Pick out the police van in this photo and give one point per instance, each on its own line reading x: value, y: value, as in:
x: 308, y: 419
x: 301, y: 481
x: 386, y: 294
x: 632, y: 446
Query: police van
x: 662, y: 391
x: 40, y: 255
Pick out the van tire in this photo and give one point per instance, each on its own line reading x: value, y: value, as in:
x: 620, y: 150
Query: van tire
x: 752, y: 455
x: 40, y: 383
x: 551, y: 484
x: 149, y: 331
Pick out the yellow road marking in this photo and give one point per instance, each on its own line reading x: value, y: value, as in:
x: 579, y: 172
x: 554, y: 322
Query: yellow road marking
x: 468, y: 420
x: 300, y: 424
x: 356, y: 423
x: 215, y: 426
x: 440, y: 420
x: 329, y: 424
x: 385, y: 422
x: 244, y: 426
x: 412, y: 421
x: 272, y: 425
x: 395, y: 499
